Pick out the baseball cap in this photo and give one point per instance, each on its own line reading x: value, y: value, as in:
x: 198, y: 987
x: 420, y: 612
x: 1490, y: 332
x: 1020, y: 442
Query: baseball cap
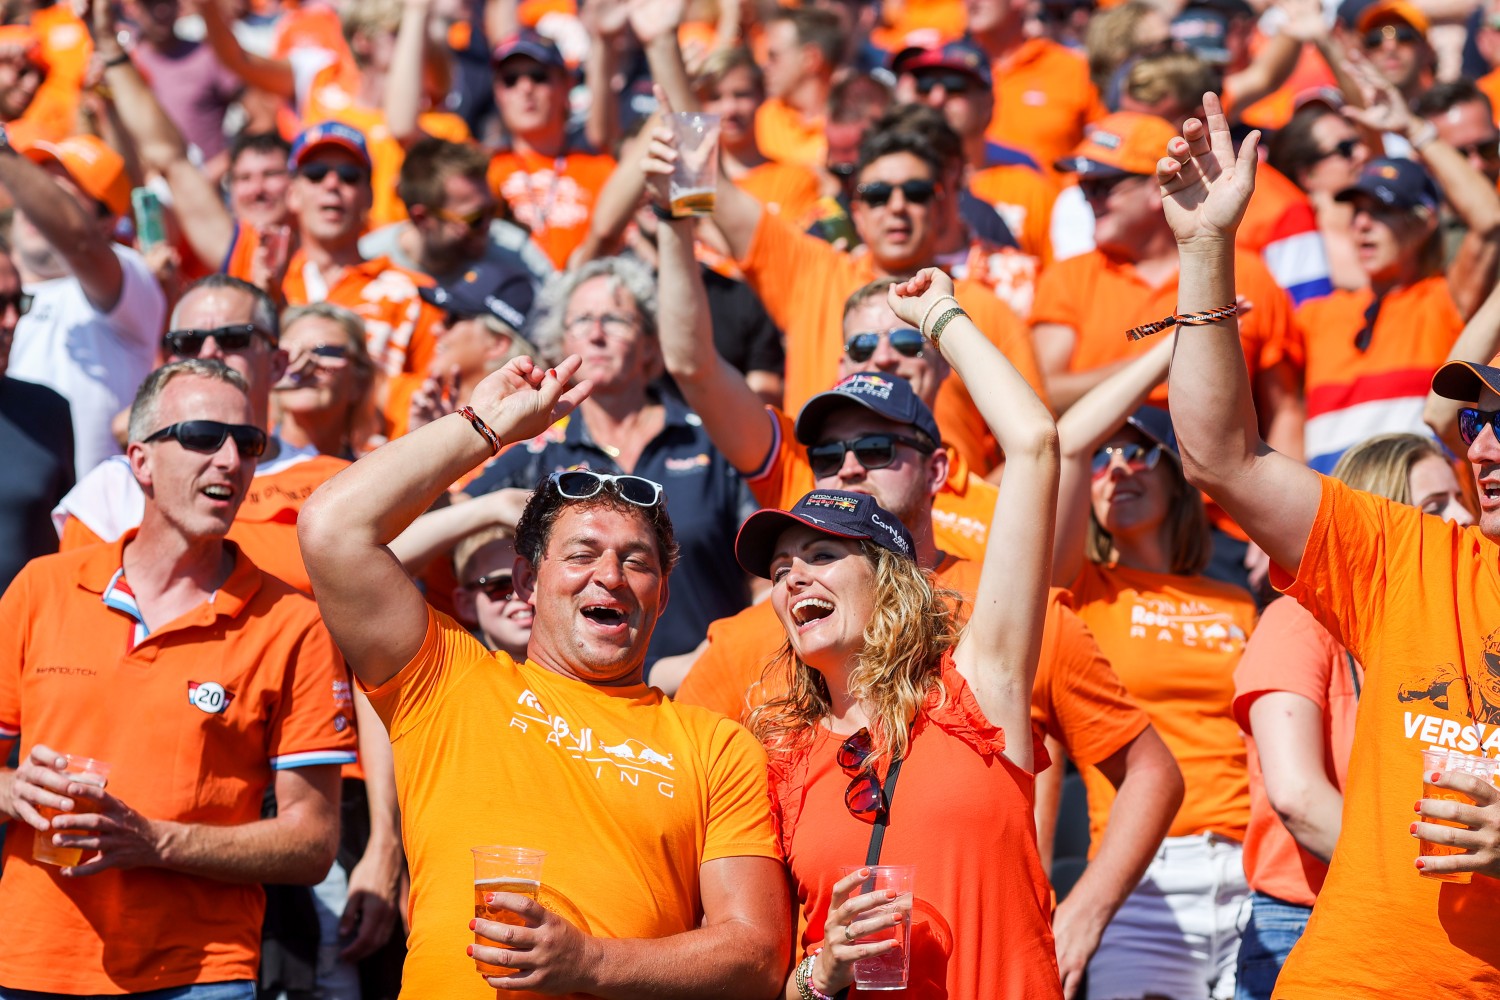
x: 23, y: 37
x: 94, y: 167
x: 833, y: 512
x: 1126, y: 142
x: 1463, y: 380
x: 1330, y: 97
x: 489, y: 288
x: 1395, y: 184
x: 1156, y: 424
x: 330, y: 134
x: 1205, y: 32
x: 961, y: 55
x: 527, y: 42
x: 891, y: 396
x: 1404, y: 10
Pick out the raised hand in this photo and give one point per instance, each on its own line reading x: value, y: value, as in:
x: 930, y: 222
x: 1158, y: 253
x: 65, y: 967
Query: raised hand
x: 1204, y: 185
x: 1385, y: 110
x: 913, y: 299
x: 523, y: 399
x: 653, y: 19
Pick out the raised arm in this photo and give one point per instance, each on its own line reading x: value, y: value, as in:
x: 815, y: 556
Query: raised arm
x: 403, y: 84
x: 1480, y: 341
x: 73, y: 230
x: 1205, y: 188
x: 1276, y: 61
x: 275, y: 76
x: 347, y: 525
x: 437, y: 531
x: 655, y: 24
x: 998, y: 653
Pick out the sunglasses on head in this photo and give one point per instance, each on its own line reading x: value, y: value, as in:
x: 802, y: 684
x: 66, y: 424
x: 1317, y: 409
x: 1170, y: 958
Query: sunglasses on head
x: 512, y: 77
x: 1472, y: 422
x: 21, y: 301
x: 1136, y: 456
x: 238, y: 337
x: 903, y: 339
x: 872, y: 451
x: 877, y: 193
x: 207, y: 437
x: 952, y: 83
x: 347, y: 173
x: 1402, y: 33
x: 864, y: 798
x: 580, y: 484
x: 495, y: 586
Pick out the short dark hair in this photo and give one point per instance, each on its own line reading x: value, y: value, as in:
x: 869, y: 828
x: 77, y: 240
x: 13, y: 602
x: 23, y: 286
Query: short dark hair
x: 432, y: 161
x: 882, y: 142
x: 1443, y: 97
x: 263, y: 315
x: 534, y: 530
x: 929, y: 123
x: 1294, y: 148
x: 258, y: 142
x: 818, y: 28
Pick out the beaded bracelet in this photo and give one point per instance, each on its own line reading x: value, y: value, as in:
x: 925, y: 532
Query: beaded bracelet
x: 936, y: 302
x: 493, y: 439
x: 805, y: 988
x: 1203, y: 318
x: 941, y: 324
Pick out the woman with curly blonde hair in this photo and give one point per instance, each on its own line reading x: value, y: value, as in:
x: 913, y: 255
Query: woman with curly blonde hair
x: 890, y: 681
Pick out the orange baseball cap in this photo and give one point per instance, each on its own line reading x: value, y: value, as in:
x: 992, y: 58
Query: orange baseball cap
x: 1126, y: 142
x: 94, y: 167
x: 1405, y: 10
x: 23, y: 37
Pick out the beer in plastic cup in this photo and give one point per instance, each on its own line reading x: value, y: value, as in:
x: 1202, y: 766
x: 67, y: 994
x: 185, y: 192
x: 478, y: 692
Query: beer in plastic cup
x: 888, y: 970
x: 503, y: 869
x: 1483, y: 768
x: 695, y: 175
x: 87, y: 771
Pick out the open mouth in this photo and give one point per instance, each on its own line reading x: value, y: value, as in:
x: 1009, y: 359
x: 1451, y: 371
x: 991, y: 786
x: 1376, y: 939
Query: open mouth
x: 1490, y: 492
x: 601, y: 615
x: 809, y: 610
x: 218, y: 492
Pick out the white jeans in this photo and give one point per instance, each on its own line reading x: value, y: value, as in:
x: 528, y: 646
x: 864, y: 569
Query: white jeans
x: 1178, y: 934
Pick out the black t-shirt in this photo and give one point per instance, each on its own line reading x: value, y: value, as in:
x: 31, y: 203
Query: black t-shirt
x: 36, y: 454
x: 743, y: 332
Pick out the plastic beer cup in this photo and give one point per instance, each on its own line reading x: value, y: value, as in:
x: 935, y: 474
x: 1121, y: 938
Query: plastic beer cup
x: 889, y: 969
x: 1483, y: 768
x: 87, y: 771
x: 503, y: 869
x: 695, y: 175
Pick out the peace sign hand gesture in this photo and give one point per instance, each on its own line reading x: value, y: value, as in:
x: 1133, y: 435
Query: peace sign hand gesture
x: 1204, y: 185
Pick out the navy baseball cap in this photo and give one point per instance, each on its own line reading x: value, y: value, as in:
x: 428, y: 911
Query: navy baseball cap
x: 1395, y: 184
x: 833, y: 512
x: 1156, y: 425
x: 891, y: 396
x: 330, y: 133
x: 489, y: 288
x: 961, y: 55
x: 527, y: 42
x: 1205, y: 32
x: 1463, y: 380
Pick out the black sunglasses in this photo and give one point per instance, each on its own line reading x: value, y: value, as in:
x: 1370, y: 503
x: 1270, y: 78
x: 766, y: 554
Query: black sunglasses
x: 207, y: 436
x: 511, y: 77
x: 1403, y: 33
x: 952, y: 83
x: 904, y: 341
x: 1136, y: 456
x: 347, y: 173
x: 873, y: 451
x: 1099, y: 188
x: 20, y: 300
x: 495, y: 586
x: 580, y: 484
x: 864, y: 798
x: 877, y: 193
x: 1472, y: 422
x: 189, y: 343
x: 1489, y: 149
x: 1343, y: 149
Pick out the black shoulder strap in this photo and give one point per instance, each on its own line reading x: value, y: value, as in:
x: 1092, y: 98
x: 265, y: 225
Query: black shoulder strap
x: 877, y: 832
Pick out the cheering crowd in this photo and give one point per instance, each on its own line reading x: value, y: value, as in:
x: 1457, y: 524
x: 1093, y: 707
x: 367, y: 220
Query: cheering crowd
x: 1088, y: 415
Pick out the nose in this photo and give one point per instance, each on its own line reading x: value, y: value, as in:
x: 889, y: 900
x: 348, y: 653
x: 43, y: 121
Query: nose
x: 211, y: 349
x: 937, y: 95
x: 898, y: 200
x: 227, y: 458
x: 608, y: 571
x: 885, y: 357
x: 851, y: 469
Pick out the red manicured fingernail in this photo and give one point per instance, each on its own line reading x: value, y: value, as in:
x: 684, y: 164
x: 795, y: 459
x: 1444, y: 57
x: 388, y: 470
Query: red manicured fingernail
x: 1418, y: 806
x: 471, y: 951
x: 1414, y: 828
x: 489, y: 899
x: 1436, y: 775
x: 552, y: 373
x: 1420, y: 864
x: 472, y: 923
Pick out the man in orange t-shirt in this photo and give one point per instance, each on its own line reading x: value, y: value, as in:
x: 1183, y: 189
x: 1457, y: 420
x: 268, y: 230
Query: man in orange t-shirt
x: 803, y: 48
x: 204, y: 683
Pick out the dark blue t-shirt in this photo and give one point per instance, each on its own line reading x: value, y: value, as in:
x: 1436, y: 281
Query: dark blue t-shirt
x: 36, y: 454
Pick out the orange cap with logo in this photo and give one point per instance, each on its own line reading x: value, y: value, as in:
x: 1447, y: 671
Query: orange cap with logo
x: 1403, y: 10
x: 1126, y: 142
x: 94, y: 167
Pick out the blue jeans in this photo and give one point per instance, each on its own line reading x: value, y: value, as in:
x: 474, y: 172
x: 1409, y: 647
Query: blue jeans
x: 1275, y: 925
x: 240, y: 990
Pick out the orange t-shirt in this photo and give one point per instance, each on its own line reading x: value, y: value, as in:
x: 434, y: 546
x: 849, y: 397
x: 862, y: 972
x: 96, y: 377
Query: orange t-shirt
x: 1024, y: 199
x: 783, y: 134
x: 785, y: 189
x: 1043, y: 100
x: 804, y: 282
x: 1276, y: 109
x: 925, y: 23
x: 195, y: 718
x: 1416, y: 600
x: 552, y: 197
x: 1291, y: 652
x: 1174, y: 641
x: 961, y: 512
x: 627, y: 793
x: 63, y: 42
x: 1490, y: 84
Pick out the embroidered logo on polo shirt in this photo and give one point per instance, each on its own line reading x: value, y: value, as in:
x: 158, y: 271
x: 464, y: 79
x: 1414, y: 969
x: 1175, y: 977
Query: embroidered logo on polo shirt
x: 208, y: 697
x: 698, y: 461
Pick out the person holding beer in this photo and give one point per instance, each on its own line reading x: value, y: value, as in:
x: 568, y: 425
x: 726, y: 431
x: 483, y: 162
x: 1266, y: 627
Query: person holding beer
x: 662, y: 875
x: 888, y: 680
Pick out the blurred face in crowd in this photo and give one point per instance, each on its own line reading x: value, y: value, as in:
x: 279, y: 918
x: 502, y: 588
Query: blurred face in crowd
x: 1129, y: 499
x: 905, y: 487
x: 1343, y: 155
x: 458, y: 232
x: 532, y: 98
x: 258, y: 182
x: 925, y: 371
x: 734, y: 100
x: 1435, y: 490
x: 1388, y: 241
x: 786, y: 59
x: 1398, y: 51
x: 1468, y: 128
x: 1484, y: 456
x: 896, y: 201
x: 964, y: 100
x: 261, y: 362
x: 37, y: 258
x: 19, y: 80
x: 154, y: 18
x: 603, y: 325
x: 486, y: 598
x: 1126, y: 207
x: 10, y: 308
x: 324, y: 375
x: 991, y: 15
x: 330, y: 196
x: 465, y: 343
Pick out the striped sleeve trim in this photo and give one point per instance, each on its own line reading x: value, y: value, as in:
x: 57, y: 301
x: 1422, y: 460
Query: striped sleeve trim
x: 312, y: 758
x: 771, y: 453
x: 7, y: 733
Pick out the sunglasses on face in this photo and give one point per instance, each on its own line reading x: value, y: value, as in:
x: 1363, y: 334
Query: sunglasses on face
x: 476, y: 221
x: 1137, y: 457
x: 511, y: 77
x: 189, y: 343
x: 347, y: 173
x: 1403, y: 34
x: 1489, y: 149
x: 952, y: 83
x: 903, y: 340
x: 495, y: 586
x: 327, y: 355
x: 877, y: 193
x: 872, y: 451
x: 864, y: 797
x: 1100, y: 188
x: 1344, y: 149
x: 1472, y: 421
x: 207, y: 437
x: 580, y: 484
x: 20, y: 301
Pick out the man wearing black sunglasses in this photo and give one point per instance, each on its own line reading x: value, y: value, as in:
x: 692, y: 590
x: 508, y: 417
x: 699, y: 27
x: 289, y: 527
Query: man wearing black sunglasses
x: 1393, y: 35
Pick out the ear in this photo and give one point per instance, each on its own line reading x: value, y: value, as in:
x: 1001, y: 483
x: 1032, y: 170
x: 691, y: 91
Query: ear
x: 502, y: 344
x: 937, y: 471
x: 139, y: 457
x: 523, y: 578
x: 278, y: 364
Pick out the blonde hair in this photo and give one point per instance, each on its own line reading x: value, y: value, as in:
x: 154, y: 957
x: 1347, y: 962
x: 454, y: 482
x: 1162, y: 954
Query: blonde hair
x: 914, y: 623
x: 1382, y: 464
x: 1111, y: 38
x: 469, y: 545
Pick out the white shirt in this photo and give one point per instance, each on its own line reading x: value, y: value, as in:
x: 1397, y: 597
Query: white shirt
x: 95, y: 360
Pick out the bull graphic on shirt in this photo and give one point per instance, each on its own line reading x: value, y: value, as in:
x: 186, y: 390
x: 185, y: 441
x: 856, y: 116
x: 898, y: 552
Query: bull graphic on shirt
x: 1443, y: 685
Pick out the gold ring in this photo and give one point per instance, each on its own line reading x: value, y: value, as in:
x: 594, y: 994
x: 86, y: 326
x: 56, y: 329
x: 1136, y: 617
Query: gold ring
x: 848, y: 936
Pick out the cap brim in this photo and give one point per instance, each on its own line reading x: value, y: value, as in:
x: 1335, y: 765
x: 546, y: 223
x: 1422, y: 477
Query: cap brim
x: 816, y: 410
x: 1085, y: 167
x: 360, y: 154
x: 1462, y: 381
x: 755, y: 544
x: 1141, y: 428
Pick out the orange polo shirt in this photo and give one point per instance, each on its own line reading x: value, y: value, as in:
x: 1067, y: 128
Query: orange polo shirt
x: 195, y: 718
x: 785, y: 189
x: 1043, y: 100
x: 804, y: 282
x: 783, y: 134
x: 552, y: 196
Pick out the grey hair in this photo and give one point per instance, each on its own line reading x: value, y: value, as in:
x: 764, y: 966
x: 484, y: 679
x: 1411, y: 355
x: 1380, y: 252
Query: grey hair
x: 263, y: 314
x: 144, y: 412
x: 345, y: 319
x: 628, y: 273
